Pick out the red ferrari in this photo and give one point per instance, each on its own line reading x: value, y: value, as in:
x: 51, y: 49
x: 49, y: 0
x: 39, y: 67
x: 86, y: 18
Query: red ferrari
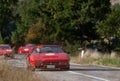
x: 48, y: 57
x: 26, y: 49
x: 6, y: 50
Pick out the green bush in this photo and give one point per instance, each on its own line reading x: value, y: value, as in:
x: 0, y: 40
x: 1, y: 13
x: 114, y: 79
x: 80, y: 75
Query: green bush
x: 107, y: 61
x: 72, y: 48
x: 111, y: 61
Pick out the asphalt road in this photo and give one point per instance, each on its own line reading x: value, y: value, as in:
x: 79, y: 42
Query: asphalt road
x: 77, y: 72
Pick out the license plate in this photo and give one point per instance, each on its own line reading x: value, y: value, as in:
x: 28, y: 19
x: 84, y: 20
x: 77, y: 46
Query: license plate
x: 50, y: 66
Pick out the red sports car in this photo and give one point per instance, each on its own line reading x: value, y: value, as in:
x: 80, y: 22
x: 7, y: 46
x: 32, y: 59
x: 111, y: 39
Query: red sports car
x: 26, y: 49
x: 48, y: 57
x: 6, y: 50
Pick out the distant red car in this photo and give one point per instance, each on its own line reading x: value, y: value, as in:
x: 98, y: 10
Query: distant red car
x: 6, y: 50
x: 26, y: 49
x: 48, y: 57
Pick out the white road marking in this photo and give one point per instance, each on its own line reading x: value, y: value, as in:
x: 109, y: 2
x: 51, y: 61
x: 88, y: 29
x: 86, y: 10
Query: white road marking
x: 98, y: 78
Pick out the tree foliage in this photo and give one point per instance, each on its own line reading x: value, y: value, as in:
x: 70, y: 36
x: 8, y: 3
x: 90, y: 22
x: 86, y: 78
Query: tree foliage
x: 28, y: 16
x: 6, y: 16
x: 38, y: 33
x: 73, y: 19
x: 45, y: 21
x: 1, y: 39
x: 110, y: 27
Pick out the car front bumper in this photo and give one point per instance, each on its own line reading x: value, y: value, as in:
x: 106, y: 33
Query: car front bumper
x: 52, y: 65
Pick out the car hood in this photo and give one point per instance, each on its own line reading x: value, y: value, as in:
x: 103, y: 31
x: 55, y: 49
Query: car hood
x: 50, y: 57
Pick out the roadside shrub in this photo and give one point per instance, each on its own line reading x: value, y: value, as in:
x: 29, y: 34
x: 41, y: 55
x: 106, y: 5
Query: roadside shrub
x: 111, y: 62
x: 72, y: 48
x: 94, y: 58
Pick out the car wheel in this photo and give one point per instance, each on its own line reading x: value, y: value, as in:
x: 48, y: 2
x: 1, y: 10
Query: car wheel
x: 5, y: 56
x: 29, y: 67
x: 12, y: 56
x: 32, y: 68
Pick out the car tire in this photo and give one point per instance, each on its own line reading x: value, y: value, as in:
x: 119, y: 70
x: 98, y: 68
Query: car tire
x: 29, y: 67
x: 5, y: 56
x: 12, y: 56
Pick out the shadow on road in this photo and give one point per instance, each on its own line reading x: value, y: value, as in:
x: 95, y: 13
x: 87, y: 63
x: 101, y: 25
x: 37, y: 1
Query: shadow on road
x: 50, y: 70
x: 96, y: 69
x: 74, y: 69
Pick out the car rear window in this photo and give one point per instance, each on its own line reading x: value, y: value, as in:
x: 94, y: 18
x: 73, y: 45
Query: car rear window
x: 5, y: 47
x: 56, y: 49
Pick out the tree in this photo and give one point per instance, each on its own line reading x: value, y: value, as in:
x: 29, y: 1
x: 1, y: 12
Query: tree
x: 28, y: 15
x: 38, y: 33
x: 1, y: 39
x: 111, y: 25
x: 73, y: 19
x: 15, y: 39
x: 6, y: 16
x: 70, y: 20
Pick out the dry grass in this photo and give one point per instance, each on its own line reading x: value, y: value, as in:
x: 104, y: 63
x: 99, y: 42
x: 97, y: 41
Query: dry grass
x: 96, y: 58
x: 9, y: 73
x: 96, y: 55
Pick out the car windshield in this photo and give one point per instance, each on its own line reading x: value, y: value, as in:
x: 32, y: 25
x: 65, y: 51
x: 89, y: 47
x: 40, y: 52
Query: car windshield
x: 5, y: 47
x: 56, y: 49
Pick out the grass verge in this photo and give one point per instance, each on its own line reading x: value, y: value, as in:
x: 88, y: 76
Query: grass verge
x: 10, y: 73
x: 97, y: 59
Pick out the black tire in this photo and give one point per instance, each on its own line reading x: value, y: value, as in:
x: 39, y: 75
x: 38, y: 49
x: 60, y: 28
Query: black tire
x: 12, y: 56
x: 29, y: 67
x: 32, y: 68
x: 5, y: 56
